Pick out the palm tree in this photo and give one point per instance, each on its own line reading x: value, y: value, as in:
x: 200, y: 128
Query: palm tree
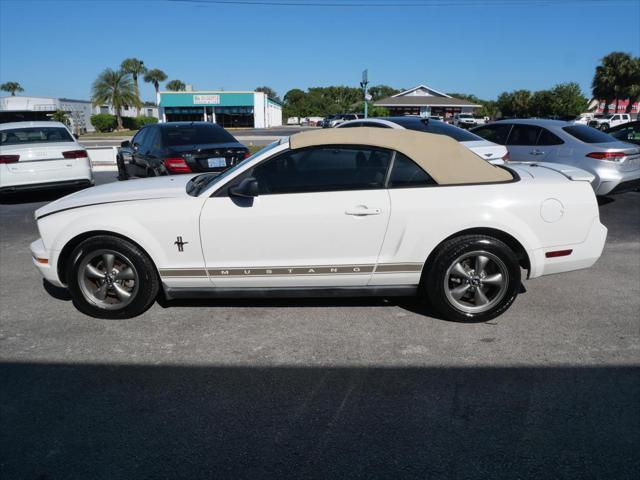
x: 613, y: 79
x: 155, y: 76
x: 60, y: 116
x: 114, y: 87
x: 176, y: 86
x: 135, y: 67
x: 12, y: 87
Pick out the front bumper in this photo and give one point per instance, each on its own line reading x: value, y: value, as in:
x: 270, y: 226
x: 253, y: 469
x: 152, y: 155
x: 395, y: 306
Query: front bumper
x: 43, y: 261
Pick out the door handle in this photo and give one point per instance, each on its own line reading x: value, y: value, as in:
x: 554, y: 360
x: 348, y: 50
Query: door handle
x: 362, y: 211
x: 536, y: 152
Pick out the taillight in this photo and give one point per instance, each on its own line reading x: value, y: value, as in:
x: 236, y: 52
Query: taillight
x: 9, y: 158
x: 247, y: 154
x: 177, y: 165
x: 612, y: 156
x: 75, y: 154
x: 506, y: 157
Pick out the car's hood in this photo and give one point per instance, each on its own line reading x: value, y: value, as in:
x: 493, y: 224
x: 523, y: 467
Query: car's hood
x: 142, y: 189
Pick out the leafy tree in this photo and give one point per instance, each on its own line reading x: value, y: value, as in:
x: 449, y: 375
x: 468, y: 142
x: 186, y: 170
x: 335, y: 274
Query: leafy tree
x: 514, y: 104
x: 155, y: 77
x: 568, y: 100
x: 60, y: 116
x: 634, y: 89
x: 11, y: 87
x: 270, y: 92
x: 114, y: 87
x: 135, y: 67
x: 176, y: 86
x: 379, y: 92
x: 615, y: 78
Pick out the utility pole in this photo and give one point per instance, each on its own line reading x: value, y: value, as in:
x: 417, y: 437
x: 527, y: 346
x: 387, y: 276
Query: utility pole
x: 364, y: 85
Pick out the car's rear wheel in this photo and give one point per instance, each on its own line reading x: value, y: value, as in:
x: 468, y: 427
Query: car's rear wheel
x: 604, y: 127
x: 109, y: 277
x: 473, y: 278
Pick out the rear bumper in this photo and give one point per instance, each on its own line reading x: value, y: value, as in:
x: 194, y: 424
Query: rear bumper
x: 583, y: 255
x: 627, y: 186
x: 613, y: 181
x: 80, y: 183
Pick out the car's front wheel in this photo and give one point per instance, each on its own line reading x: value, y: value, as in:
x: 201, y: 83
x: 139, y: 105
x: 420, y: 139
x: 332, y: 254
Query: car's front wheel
x: 473, y: 278
x: 109, y: 277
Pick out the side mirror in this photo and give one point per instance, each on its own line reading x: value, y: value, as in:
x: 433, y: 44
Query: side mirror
x: 125, y: 144
x: 247, y: 188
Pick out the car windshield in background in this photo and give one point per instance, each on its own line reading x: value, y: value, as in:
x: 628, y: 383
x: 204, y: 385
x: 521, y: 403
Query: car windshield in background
x: 195, y: 135
x: 20, y: 136
x: 438, y: 127
x: 588, y: 135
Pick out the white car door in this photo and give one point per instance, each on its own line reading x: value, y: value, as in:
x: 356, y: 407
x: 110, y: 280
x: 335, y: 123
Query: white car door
x: 319, y: 220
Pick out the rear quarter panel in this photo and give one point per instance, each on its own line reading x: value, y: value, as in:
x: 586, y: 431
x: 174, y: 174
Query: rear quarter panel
x: 421, y: 218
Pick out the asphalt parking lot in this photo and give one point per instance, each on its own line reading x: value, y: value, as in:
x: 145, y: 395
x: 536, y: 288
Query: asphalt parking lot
x: 323, y: 388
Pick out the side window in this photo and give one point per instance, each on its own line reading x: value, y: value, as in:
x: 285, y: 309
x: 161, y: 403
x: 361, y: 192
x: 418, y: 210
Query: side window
x: 524, y: 135
x: 616, y: 117
x: 548, y: 138
x: 323, y: 169
x: 351, y: 125
x: 406, y: 173
x: 494, y: 133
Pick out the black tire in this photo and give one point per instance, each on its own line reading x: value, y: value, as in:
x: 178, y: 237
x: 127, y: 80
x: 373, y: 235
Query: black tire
x: 143, y: 288
x: 122, y: 171
x: 440, y: 277
x: 604, y: 127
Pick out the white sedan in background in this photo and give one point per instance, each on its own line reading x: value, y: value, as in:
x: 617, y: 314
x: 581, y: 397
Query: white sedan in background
x: 491, y: 152
x: 339, y: 212
x: 41, y: 155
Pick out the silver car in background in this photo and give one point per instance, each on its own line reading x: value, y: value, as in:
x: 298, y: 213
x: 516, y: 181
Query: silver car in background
x: 615, y: 164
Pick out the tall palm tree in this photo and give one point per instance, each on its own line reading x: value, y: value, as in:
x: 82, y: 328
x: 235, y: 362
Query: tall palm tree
x: 135, y: 67
x: 176, y: 86
x: 155, y: 76
x: 12, y: 87
x: 614, y: 78
x: 116, y: 88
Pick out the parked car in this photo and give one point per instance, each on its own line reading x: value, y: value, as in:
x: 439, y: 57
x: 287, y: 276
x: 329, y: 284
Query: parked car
x: 615, y: 164
x: 583, y: 119
x: 179, y: 147
x: 628, y: 132
x: 489, y: 151
x: 466, y: 120
x: 41, y: 155
x: 606, y: 122
x: 341, y: 118
x: 337, y: 212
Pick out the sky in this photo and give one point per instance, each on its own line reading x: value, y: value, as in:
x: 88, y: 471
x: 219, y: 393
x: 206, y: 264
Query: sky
x: 57, y: 48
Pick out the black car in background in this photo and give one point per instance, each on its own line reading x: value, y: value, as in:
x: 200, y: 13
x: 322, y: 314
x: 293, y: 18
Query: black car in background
x: 179, y: 147
x: 627, y: 132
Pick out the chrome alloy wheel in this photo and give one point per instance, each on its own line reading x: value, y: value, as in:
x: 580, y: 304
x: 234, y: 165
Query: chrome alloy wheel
x: 108, y: 279
x: 476, y: 281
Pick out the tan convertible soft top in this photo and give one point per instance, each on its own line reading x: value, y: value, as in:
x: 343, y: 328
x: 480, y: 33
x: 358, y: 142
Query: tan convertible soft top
x: 447, y: 161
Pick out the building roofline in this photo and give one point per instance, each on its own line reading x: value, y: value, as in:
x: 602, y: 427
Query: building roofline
x: 422, y: 85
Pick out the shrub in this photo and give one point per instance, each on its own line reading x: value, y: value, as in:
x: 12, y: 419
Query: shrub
x: 129, y: 123
x: 142, y: 121
x: 103, y: 122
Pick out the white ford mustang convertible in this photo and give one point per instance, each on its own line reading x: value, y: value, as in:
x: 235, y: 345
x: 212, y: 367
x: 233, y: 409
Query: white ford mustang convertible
x: 350, y: 212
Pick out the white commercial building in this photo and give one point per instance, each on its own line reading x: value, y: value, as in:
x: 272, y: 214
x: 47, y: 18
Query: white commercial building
x: 22, y: 108
x: 246, y: 109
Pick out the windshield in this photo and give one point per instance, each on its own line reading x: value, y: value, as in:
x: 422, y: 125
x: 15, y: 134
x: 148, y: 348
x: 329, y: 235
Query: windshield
x: 196, y: 134
x: 19, y: 136
x: 588, y: 135
x: 202, y: 182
